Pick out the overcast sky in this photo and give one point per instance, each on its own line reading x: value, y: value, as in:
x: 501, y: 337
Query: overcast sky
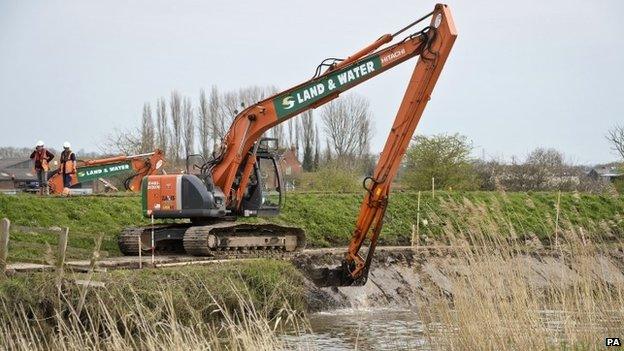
x: 522, y: 74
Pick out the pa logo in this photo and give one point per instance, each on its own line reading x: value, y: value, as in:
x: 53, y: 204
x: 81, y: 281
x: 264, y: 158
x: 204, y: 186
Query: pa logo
x: 288, y: 102
x: 613, y: 342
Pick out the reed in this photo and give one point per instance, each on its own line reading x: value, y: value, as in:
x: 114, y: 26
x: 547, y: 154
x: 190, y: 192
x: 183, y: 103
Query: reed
x: 513, y: 293
x: 134, y: 323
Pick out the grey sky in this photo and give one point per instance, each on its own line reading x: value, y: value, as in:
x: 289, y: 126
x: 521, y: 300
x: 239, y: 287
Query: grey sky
x: 522, y: 73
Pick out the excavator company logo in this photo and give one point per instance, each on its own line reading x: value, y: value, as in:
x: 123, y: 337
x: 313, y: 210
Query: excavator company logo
x: 336, y: 82
x: 95, y: 172
x: 288, y: 102
x: 392, y: 56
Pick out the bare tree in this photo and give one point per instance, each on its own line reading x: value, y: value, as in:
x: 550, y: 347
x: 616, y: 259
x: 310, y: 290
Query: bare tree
x: 147, y: 129
x: 328, y: 152
x: 616, y: 138
x: 365, y: 134
x: 543, y: 169
x: 126, y: 142
x: 229, y: 107
x: 215, y: 125
x: 347, y: 124
x: 175, y: 106
x: 14, y: 152
x: 317, y: 148
x: 291, y: 133
x: 162, y: 128
x: 231, y: 103
x: 307, y: 134
x: 203, y: 116
x: 188, y: 127
x: 277, y: 132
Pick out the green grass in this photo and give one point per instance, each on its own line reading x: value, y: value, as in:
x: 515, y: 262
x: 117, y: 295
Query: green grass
x: 328, y: 218
x: 87, y: 217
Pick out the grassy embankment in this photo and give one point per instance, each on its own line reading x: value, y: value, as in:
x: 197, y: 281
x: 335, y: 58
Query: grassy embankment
x: 327, y: 218
x: 243, y: 305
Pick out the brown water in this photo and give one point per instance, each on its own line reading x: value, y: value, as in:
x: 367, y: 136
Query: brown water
x: 362, y: 329
x: 390, y: 329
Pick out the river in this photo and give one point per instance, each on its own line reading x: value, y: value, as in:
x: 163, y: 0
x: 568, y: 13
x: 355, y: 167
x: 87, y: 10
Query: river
x: 362, y: 329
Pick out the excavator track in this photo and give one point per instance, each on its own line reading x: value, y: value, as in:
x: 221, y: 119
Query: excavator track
x: 128, y: 241
x: 228, y: 236
x: 223, y: 240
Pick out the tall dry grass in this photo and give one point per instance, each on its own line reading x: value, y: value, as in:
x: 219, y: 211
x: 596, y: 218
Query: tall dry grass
x: 514, y: 293
x: 134, y: 323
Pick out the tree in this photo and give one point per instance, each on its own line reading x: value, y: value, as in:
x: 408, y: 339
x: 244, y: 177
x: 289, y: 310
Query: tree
x: 14, y: 152
x: 307, y: 134
x: 277, y: 132
x: 317, y: 149
x: 162, y: 128
x: 229, y: 106
x: 215, y: 124
x: 543, y: 169
x: 616, y: 137
x: 175, y: 106
x: 147, y: 129
x: 443, y: 157
x: 203, y: 116
x: 328, y: 152
x: 292, y: 129
x: 347, y: 124
x: 126, y: 142
x: 188, y: 127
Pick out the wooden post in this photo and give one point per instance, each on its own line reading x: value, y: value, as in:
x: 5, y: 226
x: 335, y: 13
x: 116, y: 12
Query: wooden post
x: 557, y: 218
x: 140, y: 253
x: 418, y: 218
x: 153, y: 246
x: 60, y: 262
x: 92, y: 265
x: 433, y: 187
x: 62, y: 249
x: 4, y: 244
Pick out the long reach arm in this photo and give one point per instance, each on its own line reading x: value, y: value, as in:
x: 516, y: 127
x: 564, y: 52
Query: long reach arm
x: 236, y: 157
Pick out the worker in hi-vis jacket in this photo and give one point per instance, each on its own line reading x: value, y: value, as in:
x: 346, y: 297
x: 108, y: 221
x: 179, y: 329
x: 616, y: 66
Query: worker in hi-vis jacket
x: 42, y: 158
x: 68, y: 164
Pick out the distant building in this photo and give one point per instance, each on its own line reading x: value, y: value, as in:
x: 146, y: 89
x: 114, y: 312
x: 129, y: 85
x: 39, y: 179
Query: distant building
x: 291, y: 167
x: 609, y: 172
x: 290, y: 163
x: 17, y: 173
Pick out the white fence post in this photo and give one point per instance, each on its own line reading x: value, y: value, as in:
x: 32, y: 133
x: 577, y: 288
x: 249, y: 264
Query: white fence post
x: 4, y: 245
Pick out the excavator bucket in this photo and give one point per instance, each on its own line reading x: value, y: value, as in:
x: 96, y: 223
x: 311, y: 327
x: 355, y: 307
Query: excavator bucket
x: 335, y: 277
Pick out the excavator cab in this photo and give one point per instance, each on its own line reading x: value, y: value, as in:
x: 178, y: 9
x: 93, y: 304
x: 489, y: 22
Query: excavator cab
x: 264, y: 195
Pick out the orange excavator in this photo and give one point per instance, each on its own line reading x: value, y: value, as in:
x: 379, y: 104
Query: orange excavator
x: 243, y: 179
x: 138, y: 165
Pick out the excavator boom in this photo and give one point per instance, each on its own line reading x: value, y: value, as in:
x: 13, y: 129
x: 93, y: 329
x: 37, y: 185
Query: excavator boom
x: 139, y: 165
x: 250, y: 124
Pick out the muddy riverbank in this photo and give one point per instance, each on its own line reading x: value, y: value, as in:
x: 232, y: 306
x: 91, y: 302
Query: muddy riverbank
x: 406, y: 277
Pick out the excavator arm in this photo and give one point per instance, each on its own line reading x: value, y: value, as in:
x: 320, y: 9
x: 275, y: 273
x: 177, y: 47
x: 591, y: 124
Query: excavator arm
x: 354, y: 270
x: 140, y: 165
x: 236, y: 158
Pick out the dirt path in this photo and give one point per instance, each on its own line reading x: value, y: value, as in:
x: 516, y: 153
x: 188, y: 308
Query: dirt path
x: 133, y: 262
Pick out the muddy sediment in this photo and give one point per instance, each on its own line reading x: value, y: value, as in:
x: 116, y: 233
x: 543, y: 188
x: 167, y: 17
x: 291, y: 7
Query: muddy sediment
x: 407, y: 277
